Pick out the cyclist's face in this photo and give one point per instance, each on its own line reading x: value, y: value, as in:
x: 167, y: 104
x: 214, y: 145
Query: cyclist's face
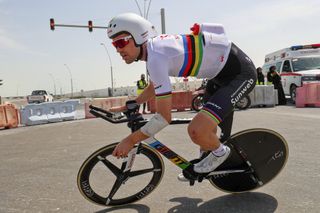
x: 129, y: 52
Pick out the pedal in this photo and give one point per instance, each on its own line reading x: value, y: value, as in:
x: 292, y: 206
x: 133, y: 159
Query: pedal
x: 189, y: 173
x: 200, y: 179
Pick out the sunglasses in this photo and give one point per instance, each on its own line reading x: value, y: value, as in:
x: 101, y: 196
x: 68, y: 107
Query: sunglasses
x: 121, y: 42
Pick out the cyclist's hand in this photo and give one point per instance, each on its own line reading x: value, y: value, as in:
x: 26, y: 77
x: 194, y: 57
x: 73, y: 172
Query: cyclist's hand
x: 118, y: 109
x: 123, y: 148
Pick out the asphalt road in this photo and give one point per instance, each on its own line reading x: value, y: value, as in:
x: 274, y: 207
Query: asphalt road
x: 39, y: 165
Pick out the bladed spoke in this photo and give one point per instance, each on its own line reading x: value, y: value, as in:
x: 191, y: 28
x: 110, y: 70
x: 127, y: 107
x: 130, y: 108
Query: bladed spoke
x: 115, y: 188
x: 141, y: 172
x: 113, y: 168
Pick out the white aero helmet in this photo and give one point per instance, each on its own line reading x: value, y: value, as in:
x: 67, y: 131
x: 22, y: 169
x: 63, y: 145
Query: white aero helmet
x: 137, y: 26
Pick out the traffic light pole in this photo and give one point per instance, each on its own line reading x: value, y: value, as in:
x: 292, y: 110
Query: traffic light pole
x: 89, y: 26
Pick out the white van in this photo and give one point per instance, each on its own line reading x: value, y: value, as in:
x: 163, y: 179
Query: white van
x: 297, y: 65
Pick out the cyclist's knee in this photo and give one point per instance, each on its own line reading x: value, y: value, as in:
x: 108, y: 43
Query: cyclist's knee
x: 201, y: 127
x: 197, y: 133
x: 194, y: 133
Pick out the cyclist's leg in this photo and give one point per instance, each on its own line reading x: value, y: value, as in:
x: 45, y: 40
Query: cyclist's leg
x: 203, y: 132
x: 237, y: 80
x: 226, y: 127
x: 226, y: 124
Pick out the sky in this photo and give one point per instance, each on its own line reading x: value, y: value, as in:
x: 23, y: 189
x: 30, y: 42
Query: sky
x: 34, y: 57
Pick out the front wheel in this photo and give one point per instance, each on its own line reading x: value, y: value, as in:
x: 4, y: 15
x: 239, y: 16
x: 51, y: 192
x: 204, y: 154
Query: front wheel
x: 105, y: 180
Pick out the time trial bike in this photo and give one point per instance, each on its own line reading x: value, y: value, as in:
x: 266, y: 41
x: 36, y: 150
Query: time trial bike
x: 257, y: 156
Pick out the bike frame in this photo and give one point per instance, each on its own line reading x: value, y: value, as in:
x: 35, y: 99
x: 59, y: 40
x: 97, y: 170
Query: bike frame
x: 172, y: 156
x: 135, y: 123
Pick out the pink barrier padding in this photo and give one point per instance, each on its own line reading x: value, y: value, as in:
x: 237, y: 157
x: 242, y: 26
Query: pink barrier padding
x: 181, y: 101
x: 308, y: 95
x: 9, y: 116
x: 104, y: 103
x: 3, y: 116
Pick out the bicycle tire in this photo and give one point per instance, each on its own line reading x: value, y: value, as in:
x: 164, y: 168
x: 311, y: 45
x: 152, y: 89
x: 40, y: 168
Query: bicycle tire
x: 197, y: 102
x: 93, y: 180
x: 244, y: 103
x: 266, y: 150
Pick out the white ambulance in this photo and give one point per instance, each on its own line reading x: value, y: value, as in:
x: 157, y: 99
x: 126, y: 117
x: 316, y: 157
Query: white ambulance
x: 297, y: 65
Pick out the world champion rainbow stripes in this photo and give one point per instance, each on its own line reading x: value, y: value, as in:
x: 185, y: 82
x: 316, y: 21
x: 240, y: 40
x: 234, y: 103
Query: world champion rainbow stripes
x: 212, y: 114
x: 193, y: 53
x: 163, y: 95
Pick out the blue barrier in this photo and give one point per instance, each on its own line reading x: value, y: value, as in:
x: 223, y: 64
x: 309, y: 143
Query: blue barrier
x: 52, y: 111
x: 49, y: 112
x: 67, y: 109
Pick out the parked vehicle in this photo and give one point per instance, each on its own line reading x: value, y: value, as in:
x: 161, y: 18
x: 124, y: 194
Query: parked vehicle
x: 39, y: 96
x: 296, y: 65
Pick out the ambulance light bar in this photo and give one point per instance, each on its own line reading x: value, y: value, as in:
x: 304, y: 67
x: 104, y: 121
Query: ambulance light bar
x: 309, y: 46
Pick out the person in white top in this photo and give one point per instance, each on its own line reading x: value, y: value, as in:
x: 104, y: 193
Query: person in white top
x: 204, y: 53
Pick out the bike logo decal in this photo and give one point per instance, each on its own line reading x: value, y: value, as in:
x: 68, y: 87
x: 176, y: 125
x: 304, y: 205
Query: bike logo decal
x: 86, y: 188
x: 172, y: 156
x: 276, y: 156
x: 145, y: 191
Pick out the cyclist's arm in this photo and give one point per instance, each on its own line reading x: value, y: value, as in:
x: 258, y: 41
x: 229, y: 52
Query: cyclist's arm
x: 163, y: 110
x: 146, y: 94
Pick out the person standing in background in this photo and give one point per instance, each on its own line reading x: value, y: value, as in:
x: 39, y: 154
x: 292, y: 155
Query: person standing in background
x: 269, y: 75
x: 260, y: 79
x: 141, y: 85
x: 275, y: 79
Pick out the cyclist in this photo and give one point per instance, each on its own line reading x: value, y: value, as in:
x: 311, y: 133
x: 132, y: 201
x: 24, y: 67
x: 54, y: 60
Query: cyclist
x: 205, y: 53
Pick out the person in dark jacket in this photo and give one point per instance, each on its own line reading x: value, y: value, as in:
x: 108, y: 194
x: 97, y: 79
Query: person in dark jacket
x: 275, y: 78
x: 260, y: 79
x: 269, y: 75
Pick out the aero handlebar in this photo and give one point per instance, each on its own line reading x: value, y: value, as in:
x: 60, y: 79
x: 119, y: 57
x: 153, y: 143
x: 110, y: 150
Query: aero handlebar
x: 128, y: 116
x: 108, y: 116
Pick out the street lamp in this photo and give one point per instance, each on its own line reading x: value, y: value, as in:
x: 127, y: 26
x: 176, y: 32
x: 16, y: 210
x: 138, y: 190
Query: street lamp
x: 54, y: 84
x: 70, y: 79
x: 110, y: 67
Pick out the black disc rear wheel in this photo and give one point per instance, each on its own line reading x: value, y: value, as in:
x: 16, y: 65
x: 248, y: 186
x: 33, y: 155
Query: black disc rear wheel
x: 102, y: 180
x: 265, y: 150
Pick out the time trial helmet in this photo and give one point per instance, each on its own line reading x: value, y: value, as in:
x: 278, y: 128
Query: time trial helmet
x: 137, y: 26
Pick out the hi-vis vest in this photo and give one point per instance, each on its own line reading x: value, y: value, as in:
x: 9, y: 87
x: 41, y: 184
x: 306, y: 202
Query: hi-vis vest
x: 141, y: 86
